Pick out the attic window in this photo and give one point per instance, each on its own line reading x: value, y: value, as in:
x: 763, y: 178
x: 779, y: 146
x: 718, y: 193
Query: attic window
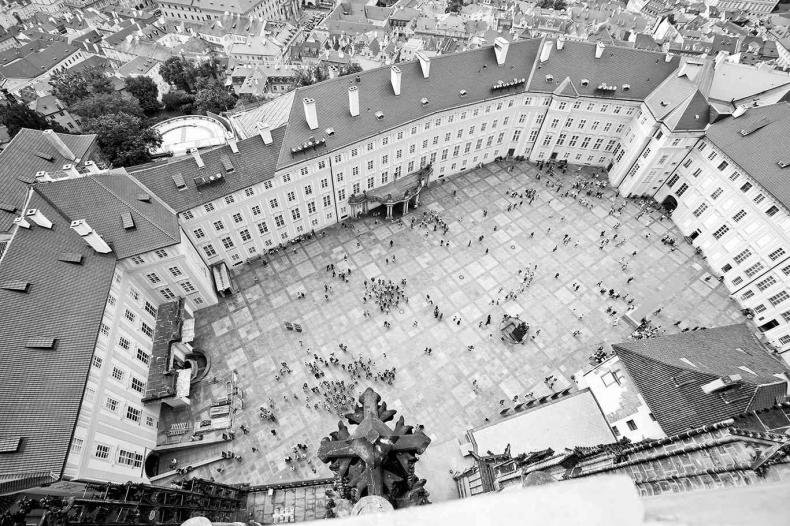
x: 16, y: 285
x: 127, y: 220
x: 45, y: 156
x: 227, y: 164
x: 424, y: 101
x: 755, y: 126
x: 178, y: 179
x: 734, y: 395
x: 10, y: 444
x: 144, y: 198
x: 330, y: 131
x: 40, y: 343
x: 71, y: 257
x: 462, y: 93
x: 5, y: 207
x: 782, y: 164
x: 626, y: 87
x: 379, y: 115
x: 585, y: 82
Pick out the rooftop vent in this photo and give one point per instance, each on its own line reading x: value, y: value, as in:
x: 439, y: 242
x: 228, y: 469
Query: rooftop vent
x: 330, y: 131
x: 40, y: 343
x: 609, y: 88
x: 755, y: 126
x: 462, y: 93
x: 424, y: 101
x: 145, y: 198
x: 16, y: 285
x: 549, y: 78
x: 178, y: 179
x: 501, y: 85
x: 585, y: 82
x: 379, y: 115
x: 626, y: 87
x: 71, y: 257
x: 127, y: 220
x: 784, y: 163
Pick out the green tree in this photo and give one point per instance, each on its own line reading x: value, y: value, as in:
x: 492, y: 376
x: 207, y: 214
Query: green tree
x: 71, y: 86
x: 145, y: 91
x: 123, y: 139
x: 106, y: 104
x: 247, y: 99
x: 179, y: 72
x: 16, y: 116
x: 178, y: 101
x: 215, y: 99
x: 350, y: 69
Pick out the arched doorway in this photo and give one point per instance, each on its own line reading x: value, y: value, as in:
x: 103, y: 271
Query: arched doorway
x: 669, y: 204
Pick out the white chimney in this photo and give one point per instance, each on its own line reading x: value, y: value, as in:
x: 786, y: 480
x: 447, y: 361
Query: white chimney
x: 668, y: 58
x: 395, y: 75
x: 500, y: 48
x: 425, y: 64
x: 353, y: 101
x: 265, y: 132
x: 58, y: 144
x: 560, y: 43
x: 720, y: 383
x: 90, y: 236
x: 198, y: 159
x: 91, y: 166
x: 545, y: 51
x: 599, y: 47
x: 310, y: 113
x: 71, y: 170
x: 21, y: 221
x: 38, y: 218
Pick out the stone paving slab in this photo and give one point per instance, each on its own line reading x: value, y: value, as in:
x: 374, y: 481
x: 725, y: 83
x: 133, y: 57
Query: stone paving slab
x: 246, y: 331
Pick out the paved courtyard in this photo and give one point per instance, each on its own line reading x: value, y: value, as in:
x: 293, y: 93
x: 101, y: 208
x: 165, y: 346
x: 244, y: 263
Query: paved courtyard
x: 246, y: 332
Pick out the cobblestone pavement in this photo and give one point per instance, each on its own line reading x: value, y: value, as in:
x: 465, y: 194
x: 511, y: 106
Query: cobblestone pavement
x: 246, y: 332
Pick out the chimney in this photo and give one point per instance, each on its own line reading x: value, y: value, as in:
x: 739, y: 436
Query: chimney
x: 668, y: 58
x: 310, y: 113
x: 395, y: 75
x: 545, y: 51
x: 91, y: 166
x: 425, y: 64
x: 58, y: 144
x: 500, y: 48
x: 599, y: 47
x: 21, y: 221
x: 198, y: 159
x: 560, y: 43
x: 353, y: 101
x: 71, y: 170
x: 90, y: 236
x: 234, y: 146
x: 35, y: 215
x: 265, y: 132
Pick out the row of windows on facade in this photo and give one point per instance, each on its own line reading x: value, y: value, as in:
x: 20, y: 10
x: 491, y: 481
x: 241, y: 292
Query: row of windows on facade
x: 102, y: 451
x: 121, y: 376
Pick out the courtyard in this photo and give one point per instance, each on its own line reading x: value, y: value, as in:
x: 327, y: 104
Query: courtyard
x: 246, y: 332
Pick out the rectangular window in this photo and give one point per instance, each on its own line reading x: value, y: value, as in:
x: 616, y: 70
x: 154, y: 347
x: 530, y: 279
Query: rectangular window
x: 129, y: 315
x: 167, y: 293
x: 716, y: 193
x: 291, y: 196
x: 754, y: 270
x: 161, y: 253
x: 229, y: 200
x: 723, y: 166
x: 742, y: 256
x: 746, y: 187
x: 138, y: 260
x: 700, y: 209
x: 199, y: 233
x: 124, y: 343
x: 723, y: 229
x: 237, y: 218
x: 778, y: 298
x: 143, y: 356
x: 279, y: 221
x: 147, y: 330
x: 672, y: 180
x: 117, y: 373
x: 249, y: 192
x: 138, y: 385
x: 772, y: 211
x: 296, y: 214
x: 209, y: 250
x: 111, y: 404
x: 130, y: 459
x: 764, y: 284
x: 740, y: 215
x: 153, y: 278
x: 682, y: 189
x: 263, y: 228
x: 227, y: 242
x: 631, y: 425
x: 776, y: 254
x: 747, y: 295
x: 102, y: 451
x: 209, y: 207
x: 133, y: 414
x: 219, y: 226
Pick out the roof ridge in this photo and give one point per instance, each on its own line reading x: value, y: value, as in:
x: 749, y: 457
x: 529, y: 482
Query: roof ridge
x: 130, y: 205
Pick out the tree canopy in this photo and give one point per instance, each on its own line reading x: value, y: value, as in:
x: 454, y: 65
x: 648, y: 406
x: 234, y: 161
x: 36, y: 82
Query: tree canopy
x: 106, y: 104
x: 179, y: 72
x: 145, y: 91
x: 214, y: 98
x: 70, y: 86
x: 122, y: 138
x: 16, y: 116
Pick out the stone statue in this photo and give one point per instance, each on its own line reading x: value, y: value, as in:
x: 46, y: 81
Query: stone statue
x: 374, y: 464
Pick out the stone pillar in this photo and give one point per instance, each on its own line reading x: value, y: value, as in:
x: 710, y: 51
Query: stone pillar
x: 389, y: 211
x: 417, y: 200
x: 406, y: 207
